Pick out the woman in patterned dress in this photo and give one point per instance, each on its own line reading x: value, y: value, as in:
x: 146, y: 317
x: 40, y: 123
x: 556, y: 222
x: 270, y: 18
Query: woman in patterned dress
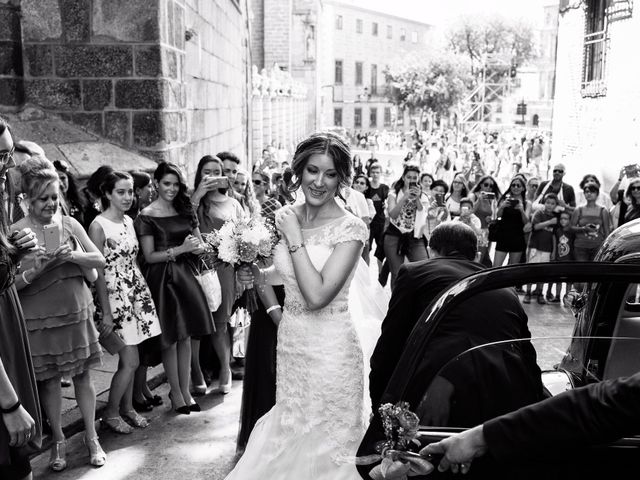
x: 127, y: 307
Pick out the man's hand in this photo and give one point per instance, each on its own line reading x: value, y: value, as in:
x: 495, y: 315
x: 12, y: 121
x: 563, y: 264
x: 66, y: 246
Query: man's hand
x: 459, y: 450
x: 400, y: 469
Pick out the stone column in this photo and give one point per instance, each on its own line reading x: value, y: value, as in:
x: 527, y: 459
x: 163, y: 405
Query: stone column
x: 11, y: 70
x: 266, y: 119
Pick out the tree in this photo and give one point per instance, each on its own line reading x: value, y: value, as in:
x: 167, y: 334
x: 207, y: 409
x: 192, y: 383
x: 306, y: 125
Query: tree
x: 495, y: 40
x: 431, y: 85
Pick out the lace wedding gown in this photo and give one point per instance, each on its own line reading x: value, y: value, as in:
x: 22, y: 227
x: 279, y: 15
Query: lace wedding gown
x: 317, y: 423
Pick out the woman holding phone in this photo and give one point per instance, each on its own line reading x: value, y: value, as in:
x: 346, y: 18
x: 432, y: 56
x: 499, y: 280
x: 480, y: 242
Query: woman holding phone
x: 58, y: 306
x: 214, y: 207
x: 513, y: 214
x: 485, y: 197
x: 402, y: 237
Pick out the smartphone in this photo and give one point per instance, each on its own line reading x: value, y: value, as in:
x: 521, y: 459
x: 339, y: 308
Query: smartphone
x: 413, y: 184
x: 440, y: 199
x: 489, y: 195
x: 631, y: 171
x: 219, y: 182
x: 51, y: 237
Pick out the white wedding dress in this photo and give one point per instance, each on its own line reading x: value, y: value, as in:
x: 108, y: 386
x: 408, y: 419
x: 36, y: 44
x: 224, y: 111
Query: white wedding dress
x: 317, y: 423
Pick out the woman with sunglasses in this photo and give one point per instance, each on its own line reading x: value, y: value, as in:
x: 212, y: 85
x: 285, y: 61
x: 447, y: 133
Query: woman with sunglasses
x: 591, y: 224
x: 458, y: 191
x: 485, y: 197
x: 259, y: 385
x: 513, y: 214
x: 633, y: 197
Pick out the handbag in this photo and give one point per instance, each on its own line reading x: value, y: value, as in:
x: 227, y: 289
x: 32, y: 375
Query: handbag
x: 112, y: 342
x: 90, y: 274
x: 210, y: 284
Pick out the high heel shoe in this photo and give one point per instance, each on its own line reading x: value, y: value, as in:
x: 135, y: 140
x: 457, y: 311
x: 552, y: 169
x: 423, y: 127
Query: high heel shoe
x: 118, y: 425
x: 225, y: 388
x: 184, y: 410
x: 135, y: 419
x: 154, y: 401
x: 199, y: 390
x: 194, y: 407
x: 97, y: 457
x: 57, y: 459
x: 143, y: 406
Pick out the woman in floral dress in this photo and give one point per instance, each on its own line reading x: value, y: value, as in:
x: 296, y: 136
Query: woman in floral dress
x: 125, y: 300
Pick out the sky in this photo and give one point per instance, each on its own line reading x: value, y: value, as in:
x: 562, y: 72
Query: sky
x: 441, y: 13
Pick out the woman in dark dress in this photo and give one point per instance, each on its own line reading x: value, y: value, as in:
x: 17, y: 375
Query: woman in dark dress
x: 259, y: 387
x: 513, y: 214
x: 20, y: 422
x: 169, y: 236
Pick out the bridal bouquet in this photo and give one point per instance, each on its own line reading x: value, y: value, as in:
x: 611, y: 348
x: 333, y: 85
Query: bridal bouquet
x: 401, y: 430
x: 242, y: 242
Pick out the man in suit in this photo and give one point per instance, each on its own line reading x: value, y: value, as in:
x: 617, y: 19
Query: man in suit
x: 493, y: 382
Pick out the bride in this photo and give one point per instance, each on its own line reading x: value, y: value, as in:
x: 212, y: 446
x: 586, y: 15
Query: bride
x: 318, y: 421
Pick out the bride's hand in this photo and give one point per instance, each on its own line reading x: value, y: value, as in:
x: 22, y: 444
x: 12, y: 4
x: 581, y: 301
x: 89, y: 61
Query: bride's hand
x: 288, y: 225
x: 248, y: 275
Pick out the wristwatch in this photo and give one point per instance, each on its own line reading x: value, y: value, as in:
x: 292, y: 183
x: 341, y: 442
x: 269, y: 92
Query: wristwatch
x: 296, y: 247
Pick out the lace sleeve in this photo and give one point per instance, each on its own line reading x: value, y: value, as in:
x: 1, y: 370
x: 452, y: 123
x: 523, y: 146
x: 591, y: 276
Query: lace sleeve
x: 352, y: 228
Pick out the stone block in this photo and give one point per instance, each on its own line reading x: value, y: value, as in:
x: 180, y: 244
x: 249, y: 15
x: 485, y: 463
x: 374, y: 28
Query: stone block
x: 10, y: 24
x: 89, y: 121
x: 140, y: 94
x: 125, y: 20
x: 55, y: 94
x: 11, y: 92
x: 38, y: 60
x: 117, y: 127
x: 147, y: 128
x: 75, y: 17
x: 41, y: 20
x: 96, y: 94
x: 178, y: 26
x: 93, y: 61
x: 10, y: 58
x: 148, y: 61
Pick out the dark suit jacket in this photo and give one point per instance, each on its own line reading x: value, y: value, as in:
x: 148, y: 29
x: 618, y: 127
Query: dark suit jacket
x: 598, y: 413
x: 417, y: 285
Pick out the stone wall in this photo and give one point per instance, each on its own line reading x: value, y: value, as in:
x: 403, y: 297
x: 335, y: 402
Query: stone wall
x: 596, y: 130
x: 279, y: 111
x: 11, y: 71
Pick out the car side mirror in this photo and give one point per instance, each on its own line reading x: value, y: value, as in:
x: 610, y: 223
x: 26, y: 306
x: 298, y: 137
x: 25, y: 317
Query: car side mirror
x: 577, y: 303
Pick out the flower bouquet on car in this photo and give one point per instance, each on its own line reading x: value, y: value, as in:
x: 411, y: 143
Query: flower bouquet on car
x: 239, y: 243
x: 398, y: 451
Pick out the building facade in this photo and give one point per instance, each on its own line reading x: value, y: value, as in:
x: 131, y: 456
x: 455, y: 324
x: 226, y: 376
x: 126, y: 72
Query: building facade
x: 596, y: 117
x: 358, y: 45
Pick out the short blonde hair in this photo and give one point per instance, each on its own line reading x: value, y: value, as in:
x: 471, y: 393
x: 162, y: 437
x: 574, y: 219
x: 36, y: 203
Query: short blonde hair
x: 37, y: 174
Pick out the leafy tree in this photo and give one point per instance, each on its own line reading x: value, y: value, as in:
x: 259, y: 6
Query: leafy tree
x: 499, y: 41
x: 428, y: 86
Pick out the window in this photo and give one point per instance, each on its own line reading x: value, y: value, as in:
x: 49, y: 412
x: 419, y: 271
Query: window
x: 338, y: 22
x: 373, y: 117
x: 357, y: 117
x: 374, y: 29
x: 337, y: 117
x: 403, y: 34
x: 594, y: 51
x: 374, y: 79
x: 387, y: 116
x: 338, y: 73
x: 414, y: 37
x: 389, y: 31
x: 358, y: 73
x: 400, y: 119
x: 358, y: 25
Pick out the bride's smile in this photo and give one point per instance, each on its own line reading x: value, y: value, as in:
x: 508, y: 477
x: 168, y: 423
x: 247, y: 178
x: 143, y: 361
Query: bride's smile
x: 319, y: 180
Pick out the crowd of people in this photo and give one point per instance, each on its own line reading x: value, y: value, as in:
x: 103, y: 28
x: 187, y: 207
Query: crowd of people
x: 114, y: 265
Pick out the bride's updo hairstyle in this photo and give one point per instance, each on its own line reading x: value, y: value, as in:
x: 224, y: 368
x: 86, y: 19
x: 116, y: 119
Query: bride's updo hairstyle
x: 37, y: 174
x: 324, y: 143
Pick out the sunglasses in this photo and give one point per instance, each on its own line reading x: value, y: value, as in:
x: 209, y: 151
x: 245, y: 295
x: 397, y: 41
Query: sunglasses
x: 242, y: 184
x: 360, y: 183
x: 6, y: 156
x: 487, y: 185
x: 516, y: 185
x: 558, y: 171
x: 635, y: 188
x: 258, y: 183
x: 593, y: 191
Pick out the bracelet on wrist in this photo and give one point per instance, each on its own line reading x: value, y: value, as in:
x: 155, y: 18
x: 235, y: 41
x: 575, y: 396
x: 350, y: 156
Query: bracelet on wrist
x: 24, y: 278
x: 272, y: 308
x: 12, y: 408
x: 171, y: 255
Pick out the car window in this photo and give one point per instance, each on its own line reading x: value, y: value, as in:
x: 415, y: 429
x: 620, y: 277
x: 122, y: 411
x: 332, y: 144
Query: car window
x: 490, y: 380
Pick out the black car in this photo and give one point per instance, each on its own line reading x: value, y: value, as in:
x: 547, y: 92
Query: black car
x: 605, y: 344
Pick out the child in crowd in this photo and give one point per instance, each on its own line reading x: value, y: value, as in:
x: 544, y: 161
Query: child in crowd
x: 564, y: 238
x: 541, y: 241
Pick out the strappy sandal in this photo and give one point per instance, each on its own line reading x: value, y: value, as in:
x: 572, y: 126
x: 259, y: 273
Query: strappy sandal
x: 58, y: 460
x: 135, y: 419
x: 97, y: 457
x: 118, y: 425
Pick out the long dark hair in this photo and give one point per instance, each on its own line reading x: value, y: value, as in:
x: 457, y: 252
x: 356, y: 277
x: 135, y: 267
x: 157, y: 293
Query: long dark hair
x: 109, y: 183
x: 399, y: 185
x: 4, y: 215
x: 72, y: 195
x: 181, y: 202
x: 524, y: 189
x: 495, y: 189
x: 325, y: 143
